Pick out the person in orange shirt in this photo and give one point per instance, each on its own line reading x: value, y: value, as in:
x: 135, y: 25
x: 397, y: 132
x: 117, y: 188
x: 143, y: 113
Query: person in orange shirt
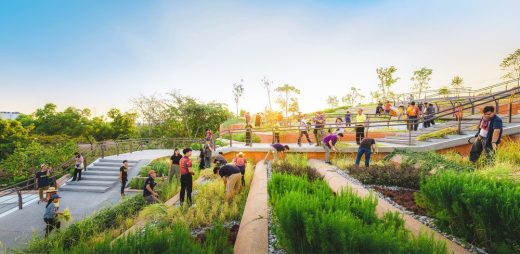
x: 413, y: 113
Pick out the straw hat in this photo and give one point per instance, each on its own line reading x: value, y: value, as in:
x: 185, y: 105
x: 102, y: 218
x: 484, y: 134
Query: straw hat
x: 240, y: 154
x: 51, y: 190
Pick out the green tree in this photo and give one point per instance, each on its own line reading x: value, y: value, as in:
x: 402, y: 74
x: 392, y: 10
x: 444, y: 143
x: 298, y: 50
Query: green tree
x: 457, y: 83
x: 11, y: 133
x: 352, y: 97
x: 294, y: 105
x: 386, y: 80
x: 421, y: 80
x: 332, y: 101
x: 444, y: 91
x: 511, y: 64
x: 151, y: 109
x: 286, y: 92
x: 238, y: 91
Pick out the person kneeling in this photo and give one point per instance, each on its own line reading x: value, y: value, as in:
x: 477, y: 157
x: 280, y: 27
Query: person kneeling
x: 231, y: 176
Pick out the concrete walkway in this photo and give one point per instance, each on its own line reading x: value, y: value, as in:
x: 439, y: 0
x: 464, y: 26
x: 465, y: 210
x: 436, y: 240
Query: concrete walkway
x: 18, y: 227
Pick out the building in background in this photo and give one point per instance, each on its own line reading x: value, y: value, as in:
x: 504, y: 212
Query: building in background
x: 9, y: 115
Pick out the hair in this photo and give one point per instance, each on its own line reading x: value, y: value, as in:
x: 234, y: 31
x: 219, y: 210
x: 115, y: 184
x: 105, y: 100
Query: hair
x: 175, y: 150
x: 348, y: 112
x: 151, y: 171
x: 431, y: 104
x: 186, y: 150
x: 286, y: 147
x: 413, y: 103
x: 49, y: 202
x: 488, y: 109
x: 124, y: 161
x: 340, y: 119
x: 240, y: 155
x: 221, y: 153
x: 76, y: 153
x: 216, y: 169
x: 340, y: 134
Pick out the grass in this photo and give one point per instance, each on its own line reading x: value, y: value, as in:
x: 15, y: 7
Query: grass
x: 241, y: 137
x: 161, y: 167
x: 295, y: 164
x: 437, y: 134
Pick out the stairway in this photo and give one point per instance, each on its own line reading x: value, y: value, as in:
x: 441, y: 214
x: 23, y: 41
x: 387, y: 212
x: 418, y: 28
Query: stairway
x: 99, y: 176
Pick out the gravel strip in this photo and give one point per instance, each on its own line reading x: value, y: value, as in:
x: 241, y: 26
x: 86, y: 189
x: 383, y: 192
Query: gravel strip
x: 273, y: 247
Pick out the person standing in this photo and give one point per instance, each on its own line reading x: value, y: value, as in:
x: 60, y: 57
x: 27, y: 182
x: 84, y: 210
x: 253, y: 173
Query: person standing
x: 303, y: 131
x: 360, y: 122
x: 413, y: 113
x: 488, y: 135
x: 347, y: 119
x: 174, y: 169
x: 431, y: 114
x: 123, y: 176
x: 208, y: 150
x: 149, y: 194
x: 50, y: 217
x: 231, y: 175
x: 258, y: 120
x: 339, y: 125
x: 329, y: 143
x: 400, y: 112
x: 186, y: 171
x: 220, y: 160
x: 241, y: 163
x: 276, y: 132
x: 388, y: 105
x: 320, y: 127
x: 247, y: 116
x: 78, y: 166
x: 379, y: 108
x: 276, y: 149
x: 367, y: 147
x: 249, y: 134
x: 43, y: 181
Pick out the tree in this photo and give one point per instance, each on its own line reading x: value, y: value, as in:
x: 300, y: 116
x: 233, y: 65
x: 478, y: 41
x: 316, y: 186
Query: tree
x: 123, y: 125
x: 285, y: 94
x: 511, y: 64
x: 294, y: 106
x: 11, y: 133
x: 377, y: 96
x: 444, y: 91
x: 457, y: 83
x: 386, y: 80
x: 150, y: 109
x: 333, y: 101
x: 421, y: 80
x: 238, y: 91
x: 267, y: 85
x: 352, y: 98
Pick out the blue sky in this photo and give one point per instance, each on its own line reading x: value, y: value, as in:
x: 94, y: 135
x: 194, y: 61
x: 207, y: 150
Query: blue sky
x: 101, y: 53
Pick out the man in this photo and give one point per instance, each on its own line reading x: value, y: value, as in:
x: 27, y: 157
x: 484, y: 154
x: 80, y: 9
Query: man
x: 231, y: 176
x: 488, y: 135
x: 258, y: 120
x: 186, y: 176
x: 220, y: 160
x: 208, y: 150
x: 320, y: 126
x: 249, y: 134
x: 329, y: 143
x: 413, y: 113
x: 367, y: 147
x: 388, y: 106
x: 149, y: 194
x: 123, y: 176
x: 379, y: 108
x: 359, y: 123
x: 43, y: 177
x: 275, y: 149
x: 303, y: 131
x: 276, y: 132
x: 347, y: 119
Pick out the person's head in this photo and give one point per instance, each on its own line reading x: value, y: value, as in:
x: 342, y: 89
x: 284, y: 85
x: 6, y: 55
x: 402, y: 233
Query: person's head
x: 348, y: 112
x: 488, y: 112
x: 340, y: 134
x: 387, y: 101
x: 43, y: 167
x: 125, y: 162
x: 425, y: 103
x: 430, y: 105
x: 413, y: 103
x: 77, y: 154
x: 241, y: 155
x: 360, y: 111
x: 216, y: 169
x: 286, y: 147
x: 152, y: 174
x: 176, y: 151
x: 221, y: 153
x: 187, y: 151
x: 339, y: 120
x: 207, y: 130
x: 55, y: 197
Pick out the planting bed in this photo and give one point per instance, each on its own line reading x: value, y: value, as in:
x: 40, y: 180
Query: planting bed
x: 403, y: 197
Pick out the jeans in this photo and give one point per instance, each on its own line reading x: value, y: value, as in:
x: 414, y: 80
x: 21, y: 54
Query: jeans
x: 50, y: 225
x: 123, y: 184
x: 77, y: 174
x: 360, y: 134
x: 302, y: 133
x: 186, y: 187
x: 40, y: 191
x: 327, y: 152
x: 207, y: 162
x: 243, y: 172
x: 413, y: 123
x: 360, y: 153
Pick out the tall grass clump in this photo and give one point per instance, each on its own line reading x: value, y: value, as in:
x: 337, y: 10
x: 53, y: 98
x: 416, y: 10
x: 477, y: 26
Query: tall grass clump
x: 160, y: 166
x: 483, y: 210
x: 311, y: 219
x: 295, y: 164
x: 430, y: 161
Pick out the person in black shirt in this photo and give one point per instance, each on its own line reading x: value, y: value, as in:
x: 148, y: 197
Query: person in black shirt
x: 148, y: 193
x: 123, y: 176
x: 43, y: 177
x: 231, y: 176
x: 174, y: 169
x: 220, y: 160
x: 367, y: 146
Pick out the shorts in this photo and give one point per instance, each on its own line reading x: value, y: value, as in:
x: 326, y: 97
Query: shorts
x: 233, y: 182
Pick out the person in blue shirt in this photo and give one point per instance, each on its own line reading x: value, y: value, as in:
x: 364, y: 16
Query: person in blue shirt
x: 51, y: 214
x: 488, y: 135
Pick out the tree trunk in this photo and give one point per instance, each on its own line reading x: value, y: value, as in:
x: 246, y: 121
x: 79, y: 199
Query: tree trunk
x: 269, y: 97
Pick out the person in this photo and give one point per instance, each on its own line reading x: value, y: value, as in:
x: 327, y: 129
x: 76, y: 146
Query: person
x: 413, y: 113
x: 388, y: 105
x: 329, y: 143
x: 249, y: 134
x: 241, y: 163
x: 367, y: 147
x: 209, y: 137
x: 379, y: 108
x: 258, y: 120
x: 50, y: 217
x: 43, y: 181
x: 186, y: 171
x: 208, y: 150
x: 174, y: 169
x: 360, y: 122
x: 339, y: 125
x: 220, y: 160
x: 320, y: 127
x: 400, y: 112
x: 149, y: 194
x: 347, y: 119
x: 488, y: 135
x: 459, y: 112
x: 78, y: 166
x: 303, y: 131
x: 231, y: 175
x: 247, y: 116
x: 430, y: 112
x: 275, y: 149
x: 201, y: 159
x: 425, y: 116
x: 123, y: 176
x: 276, y: 132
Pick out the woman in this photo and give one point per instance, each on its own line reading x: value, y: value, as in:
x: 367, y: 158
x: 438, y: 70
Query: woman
x: 51, y: 214
x: 241, y: 163
x: 174, y: 169
x: 78, y: 166
x: 339, y: 124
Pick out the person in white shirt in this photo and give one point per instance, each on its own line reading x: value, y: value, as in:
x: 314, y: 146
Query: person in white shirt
x: 303, y: 131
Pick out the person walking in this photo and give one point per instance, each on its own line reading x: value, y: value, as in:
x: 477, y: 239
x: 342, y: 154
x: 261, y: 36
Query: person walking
x: 241, y: 163
x: 276, y: 149
x: 50, y: 217
x: 367, y: 147
x: 488, y: 135
x: 149, y: 194
x: 413, y: 113
x: 208, y: 150
x: 123, y: 176
x: 329, y: 143
x: 78, y: 166
x: 186, y: 171
x: 220, y: 160
x: 174, y: 169
x: 360, y: 122
x: 249, y: 134
x: 43, y: 181
x: 347, y: 119
x: 303, y: 132
x: 231, y: 176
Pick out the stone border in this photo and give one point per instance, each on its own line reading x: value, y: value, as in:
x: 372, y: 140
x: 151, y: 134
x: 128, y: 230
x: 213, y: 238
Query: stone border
x: 253, y: 232
x: 338, y: 182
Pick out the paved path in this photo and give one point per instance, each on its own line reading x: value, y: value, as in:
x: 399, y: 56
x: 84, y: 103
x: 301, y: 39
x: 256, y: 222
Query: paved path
x: 17, y: 228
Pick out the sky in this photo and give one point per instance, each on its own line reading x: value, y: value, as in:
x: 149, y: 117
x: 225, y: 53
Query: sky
x: 99, y: 54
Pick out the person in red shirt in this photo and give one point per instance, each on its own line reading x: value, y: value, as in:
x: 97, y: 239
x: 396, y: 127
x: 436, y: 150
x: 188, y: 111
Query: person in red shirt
x: 186, y: 172
x: 388, y: 105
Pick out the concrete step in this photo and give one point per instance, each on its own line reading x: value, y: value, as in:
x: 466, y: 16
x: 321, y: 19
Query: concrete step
x: 104, y: 168
x: 85, y: 182
x: 100, y: 172
x: 99, y: 177
x: 112, y: 164
x: 395, y: 141
x: 83, y: 188
x: 117, y: 161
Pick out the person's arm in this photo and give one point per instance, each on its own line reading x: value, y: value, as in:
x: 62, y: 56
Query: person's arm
x: 332, y: 146
x: 149, y: 188
x: 374, y: 148
x: 121, y: 175
x: 497, y: 127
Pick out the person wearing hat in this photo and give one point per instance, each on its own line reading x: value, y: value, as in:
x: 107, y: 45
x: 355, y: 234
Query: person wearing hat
x: 148, y: 193
x: 50, y: 217
x: 231, y: 175
x: 43, y: 181
x: 48, y: 193
x: 241, y: 163
x: 186, y: 171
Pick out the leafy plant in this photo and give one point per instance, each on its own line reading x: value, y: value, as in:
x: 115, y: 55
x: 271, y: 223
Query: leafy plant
x: 387, y: 174
x: 160, y: 166
x: 437, y: 134
x: 295, y: 164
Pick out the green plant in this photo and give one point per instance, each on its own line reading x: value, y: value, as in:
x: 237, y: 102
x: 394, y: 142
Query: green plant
x: 221, y: 143
x: 195, y: 146
x: 295, y: 164
x: 241, y: 137
x: 430, y: 161
x: 137, y: 182
x: 437, y: 134
x: 482, y: 210
x: 387, y: 174
x: 160, y: 166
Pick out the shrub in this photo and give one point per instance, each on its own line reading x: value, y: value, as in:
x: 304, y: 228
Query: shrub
x: 429, y: 161
x: 387, y: 174
x: 137, y: 182
x: 195, y: 146
x: 295, y: 164
x: 221, y: 143
x: 482, y: 210
x: 241, y: 137
x: 161, y: 167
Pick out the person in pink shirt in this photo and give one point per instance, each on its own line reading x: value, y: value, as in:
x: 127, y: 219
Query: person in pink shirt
x: 240, y: 161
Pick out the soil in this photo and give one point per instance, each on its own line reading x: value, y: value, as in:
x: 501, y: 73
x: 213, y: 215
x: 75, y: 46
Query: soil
x: 404, y: 198
x: 233, y: 232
